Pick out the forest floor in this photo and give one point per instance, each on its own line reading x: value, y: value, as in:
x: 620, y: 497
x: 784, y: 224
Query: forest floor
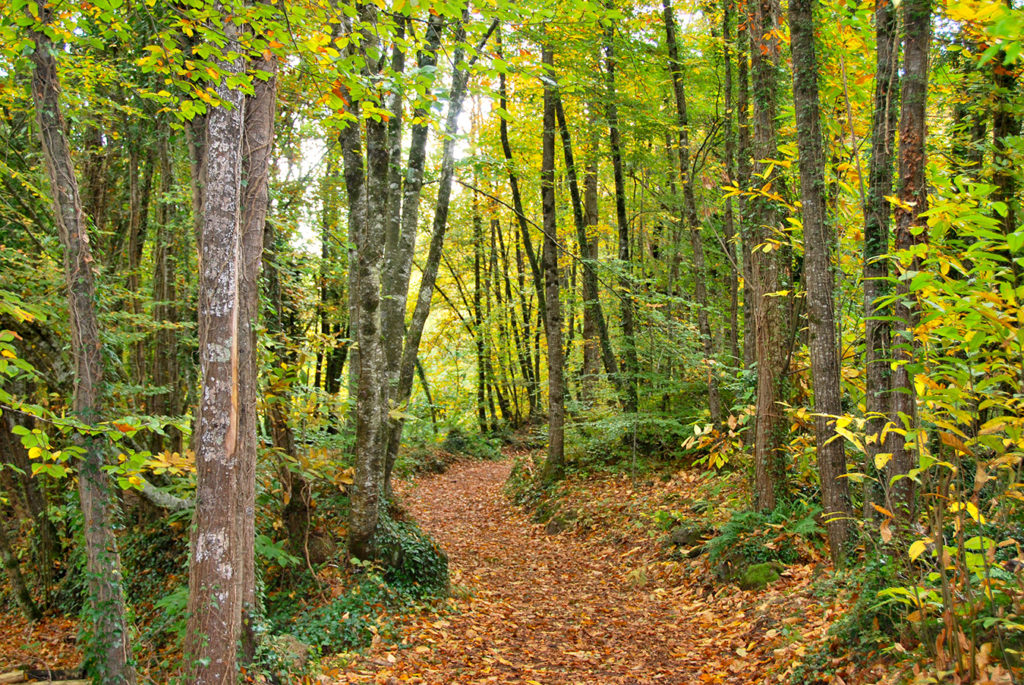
x: 579, y: 607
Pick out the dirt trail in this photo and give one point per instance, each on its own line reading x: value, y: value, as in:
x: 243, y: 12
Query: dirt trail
x: 537, y: 608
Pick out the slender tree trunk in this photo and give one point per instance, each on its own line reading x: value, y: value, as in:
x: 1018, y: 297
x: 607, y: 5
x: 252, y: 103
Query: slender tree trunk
x: 109, y: 636
x: 911, y: 230
x: 421, y: 311
x: 513, y: 182
x: 584, y: 218
x: 554, y: 466
x: 744, y: 153
x: 729, y: 221
x: 818, y: 240
x: 478, y: 317
x: 690, y: 215
x: 768, y: 269
x: 877, y: 327
x: 629, y: 355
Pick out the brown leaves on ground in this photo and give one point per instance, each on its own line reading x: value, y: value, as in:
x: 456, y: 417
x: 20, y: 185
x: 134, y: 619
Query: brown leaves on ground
x: 567, y: 608
x: 47, y: 644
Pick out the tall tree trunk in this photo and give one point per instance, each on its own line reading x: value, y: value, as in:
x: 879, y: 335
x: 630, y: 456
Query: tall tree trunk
x: 478, y: 317
x: 109, y: 649
x: 911, y: 230
x: 690, y: 214
x: 768, y: 269
x: 629, y: 353
x: 584, y: 218
x: 372, y: 394
x: 729, y: 222
x: 257, y: 148
x: 217, y: 570
x: 421, y: 311
x: 168, y: 249
x: 818, y: 240
x: 744, y: 154
x: 554, y: 466
x: 513, y: 182
x: 877, y: 327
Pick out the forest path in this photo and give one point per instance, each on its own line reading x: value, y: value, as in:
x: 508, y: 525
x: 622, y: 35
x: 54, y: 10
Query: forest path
x: 538, y: 608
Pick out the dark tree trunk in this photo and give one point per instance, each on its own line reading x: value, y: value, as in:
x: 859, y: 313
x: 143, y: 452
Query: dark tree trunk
x: 744, y: 153
x: 554, y: 466
x: 824, y: 351
x: 517, y: 201
x: 629, y: 353
x: 585, y: 219
x: 768, y: 269
x: 690, y: 214
x: 877, y: 326
x: 13, y: 571
x: 103, y: 565
x: 730, y: 170
x: 911, y: 230
x: 14, y: 453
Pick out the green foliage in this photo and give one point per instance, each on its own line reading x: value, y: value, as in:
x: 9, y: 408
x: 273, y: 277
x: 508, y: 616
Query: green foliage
x: 349, y: 621
x: 414, y: 564
x: 752, y: 537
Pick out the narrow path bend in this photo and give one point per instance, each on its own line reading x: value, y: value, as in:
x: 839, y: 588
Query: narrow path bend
x: 532, y: 607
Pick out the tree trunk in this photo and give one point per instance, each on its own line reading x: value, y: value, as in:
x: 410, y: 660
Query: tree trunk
x: 911, y: 230
x: 744, y: 154
x: 768, y: 269
x: 690, y: 215
x: 105, y: 616
x: 729, y: 222
x: 13, y: 571
x: 421, y: 311
x: 217, y: 569
x: 877, y: 326
x: 49, y: 549
x: 257, y: 148
x: 818, y: 241
x: 554, y: 466
x: 596, y: 342
x: 629, y: 354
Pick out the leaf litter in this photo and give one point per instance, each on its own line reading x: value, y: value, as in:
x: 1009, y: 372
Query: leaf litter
x: 600, y: 604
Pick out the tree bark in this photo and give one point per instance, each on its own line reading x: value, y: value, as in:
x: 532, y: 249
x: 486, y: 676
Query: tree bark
x: 554, y: 466
x: 744, y: 156
x: 596, y: 344
x: 629, y: 354
x: 257, y: 148
x: 217, y: 569
x: 107, y: 628
x: 768, y: 269
x: 911, y: 231
x: 877, y: 327
x: 818, y: 239
x: 13, y: 571
x: 690, y: 215
x: 729, y: 222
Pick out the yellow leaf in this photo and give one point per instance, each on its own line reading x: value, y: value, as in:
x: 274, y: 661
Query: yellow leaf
x: 918, y: 547
x: 34, y: 453
x: 881, y: 459
x: 8, y: 354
